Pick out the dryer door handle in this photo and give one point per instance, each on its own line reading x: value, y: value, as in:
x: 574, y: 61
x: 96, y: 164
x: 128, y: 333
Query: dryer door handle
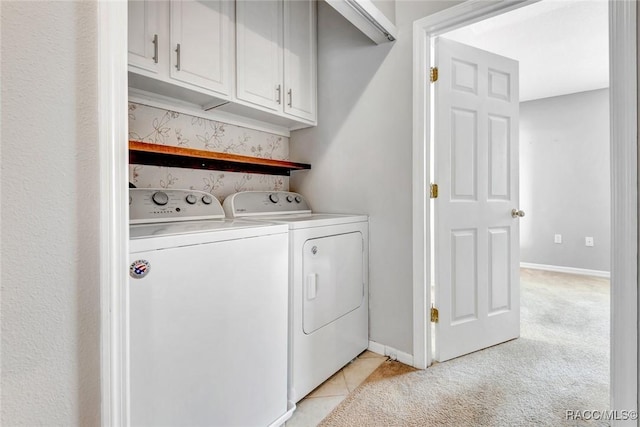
x: 312, y: 286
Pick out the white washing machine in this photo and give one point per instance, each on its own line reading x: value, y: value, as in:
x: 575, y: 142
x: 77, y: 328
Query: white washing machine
x: 208, y: 302
x: 328, y: 283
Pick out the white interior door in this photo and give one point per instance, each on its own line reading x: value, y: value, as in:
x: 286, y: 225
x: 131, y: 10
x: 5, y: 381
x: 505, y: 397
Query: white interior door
x: 476, y: 168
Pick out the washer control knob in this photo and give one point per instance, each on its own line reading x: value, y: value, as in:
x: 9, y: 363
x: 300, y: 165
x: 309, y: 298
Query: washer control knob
x: 298, y: 199
x: 206, y: 199
x: 289, y: 198
x: 274, y: 198
x: 160, y: 198
x: 191, y: 199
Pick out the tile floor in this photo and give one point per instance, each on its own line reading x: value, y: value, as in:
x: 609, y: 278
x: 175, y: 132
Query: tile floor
x: 321, y: 401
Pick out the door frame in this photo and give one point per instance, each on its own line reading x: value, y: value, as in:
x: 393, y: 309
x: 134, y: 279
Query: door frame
x: 624, y: 185
x: 114, y: 217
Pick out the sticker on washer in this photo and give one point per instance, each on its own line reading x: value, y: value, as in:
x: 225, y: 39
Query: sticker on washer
x: 139, y: 268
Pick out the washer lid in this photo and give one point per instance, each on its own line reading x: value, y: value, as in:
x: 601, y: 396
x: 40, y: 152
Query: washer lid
x: 175, y: 234
x: 142, y: 231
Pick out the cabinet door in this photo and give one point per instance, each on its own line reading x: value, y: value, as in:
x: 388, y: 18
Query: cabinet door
x: 201, y: 41
x: 259, y: 53
x: 333, y: 279
x: 300, y: 58
x: 143, y: 35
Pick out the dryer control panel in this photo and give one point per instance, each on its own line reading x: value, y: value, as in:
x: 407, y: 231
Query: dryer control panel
x: 256, y: 203
x: 148, y: 205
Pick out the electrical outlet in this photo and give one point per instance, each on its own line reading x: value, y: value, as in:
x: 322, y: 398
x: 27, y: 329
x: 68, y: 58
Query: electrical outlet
x: 588, y: 241
x: 557, y: 238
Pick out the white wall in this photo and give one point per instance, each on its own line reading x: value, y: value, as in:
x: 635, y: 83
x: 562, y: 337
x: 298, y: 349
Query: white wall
x: 564, y: 180
x: 387, y: 7
x: 361, y: 154
x: 50, y: 284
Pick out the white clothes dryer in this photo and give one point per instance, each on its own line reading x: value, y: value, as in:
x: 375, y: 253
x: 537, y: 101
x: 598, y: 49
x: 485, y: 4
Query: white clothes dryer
x: 328, y: 283
x: 208, y: 302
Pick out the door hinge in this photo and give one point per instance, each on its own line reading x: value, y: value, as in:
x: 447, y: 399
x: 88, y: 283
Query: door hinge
x: 433, y: 192
x: 434, y: 315
x: 433, y: 74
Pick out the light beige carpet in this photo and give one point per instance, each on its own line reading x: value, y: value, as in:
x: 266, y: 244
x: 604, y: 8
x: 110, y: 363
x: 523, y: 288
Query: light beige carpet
x: 559, y: 363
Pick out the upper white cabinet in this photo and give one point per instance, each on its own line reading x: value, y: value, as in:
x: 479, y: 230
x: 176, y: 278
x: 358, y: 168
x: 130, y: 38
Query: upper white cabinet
x: 254, y: 59
x: 300, y: 59
x: 143, y: 35
x: 259, y: 54
x: 276, y: 55
x: 202, y: 41
x: 182, y: 49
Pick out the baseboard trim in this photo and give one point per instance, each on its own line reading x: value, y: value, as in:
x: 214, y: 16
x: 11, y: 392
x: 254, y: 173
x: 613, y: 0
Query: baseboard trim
x: 393, y: 353
x: 570, y: 270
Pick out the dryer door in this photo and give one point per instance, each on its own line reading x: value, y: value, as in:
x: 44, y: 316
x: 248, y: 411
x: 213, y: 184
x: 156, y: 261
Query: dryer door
x: 333, y: 278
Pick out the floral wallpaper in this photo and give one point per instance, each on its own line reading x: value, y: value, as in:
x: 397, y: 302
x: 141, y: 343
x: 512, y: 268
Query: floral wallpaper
x: 150, y: 124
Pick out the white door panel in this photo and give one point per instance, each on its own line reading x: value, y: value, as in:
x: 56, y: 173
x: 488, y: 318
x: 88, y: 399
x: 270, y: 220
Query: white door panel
x: 476, y: 168
x: 499, y: 157
x: 334, y: 278
x: 499, y: 263
x: 464, y: 287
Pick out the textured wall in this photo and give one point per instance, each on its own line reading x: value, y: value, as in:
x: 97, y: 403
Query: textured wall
x: 159, y: 126
x: 50, y: 221
x: 361, y: 153
x: 564, y: 180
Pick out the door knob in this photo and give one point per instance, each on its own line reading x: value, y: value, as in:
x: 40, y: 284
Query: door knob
x: 516, y: 213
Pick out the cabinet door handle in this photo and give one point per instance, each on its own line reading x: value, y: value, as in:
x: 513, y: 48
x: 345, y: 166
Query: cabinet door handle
x: 155, y: 48
x: 178, y: 57
x: 279, y: 90
x: 290, y: 98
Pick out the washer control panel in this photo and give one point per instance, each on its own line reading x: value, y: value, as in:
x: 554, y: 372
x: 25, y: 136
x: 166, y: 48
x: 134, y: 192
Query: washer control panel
x: 255, y: 203
x: 148, y: 205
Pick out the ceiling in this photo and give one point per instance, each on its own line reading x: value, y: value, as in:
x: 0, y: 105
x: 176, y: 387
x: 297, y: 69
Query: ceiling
x: 562, y: 45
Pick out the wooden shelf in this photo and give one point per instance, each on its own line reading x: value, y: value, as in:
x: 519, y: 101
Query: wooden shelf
x: 144, y: 153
